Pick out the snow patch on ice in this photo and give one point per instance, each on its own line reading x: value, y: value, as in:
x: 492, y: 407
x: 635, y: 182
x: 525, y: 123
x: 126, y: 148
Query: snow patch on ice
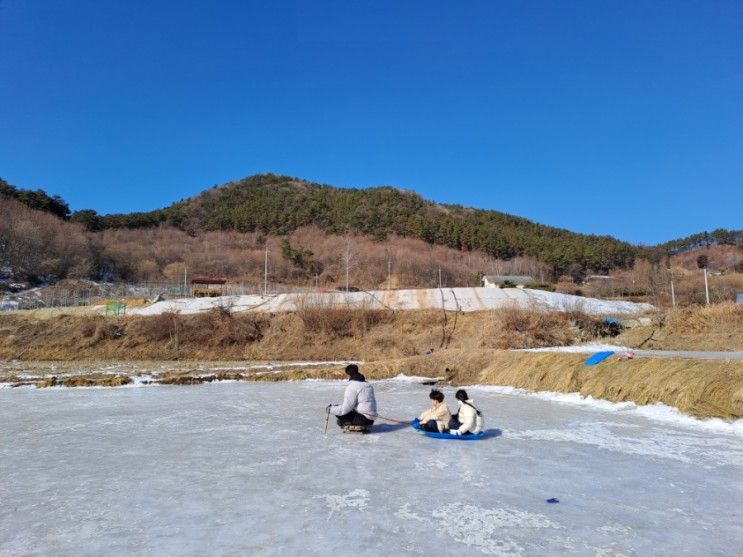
x: 438, y: 464
x: 405, y: 513
x: 674, y: 446
x: 606, y: 552
x: 142, y: 381
x: 614, y: 528
x: 658, y: 412
x: 478, y: 527
x: 356, y: 499
x: 470, y: 479
x: 664, y: 413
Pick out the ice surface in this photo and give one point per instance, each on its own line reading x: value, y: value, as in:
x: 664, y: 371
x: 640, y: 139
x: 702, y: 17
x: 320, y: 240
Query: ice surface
x: 244, y: 469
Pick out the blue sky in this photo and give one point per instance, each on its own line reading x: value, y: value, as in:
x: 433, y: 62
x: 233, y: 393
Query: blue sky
x: 620, y: 118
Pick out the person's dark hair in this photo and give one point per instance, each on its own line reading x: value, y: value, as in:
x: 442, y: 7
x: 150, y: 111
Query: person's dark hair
x: 461, y: 394
x: 436, y: 395
x: 352, y: 370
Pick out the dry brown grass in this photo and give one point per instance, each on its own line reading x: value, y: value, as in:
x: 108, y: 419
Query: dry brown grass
x: 312, y: 333
x: 51, y: 313
x: 700, y: 388
x: 527, y: 328
x: 130, y: 301
x: 320, y: 316
x: 689, y: 287
x: 535, y: 328
x: 330, y: 333
x: 392, y: 343
x: 720, y: 257
x: 93, y: 380
x: 703, y: 319
x: 211, y: 332
x: 713, y: 327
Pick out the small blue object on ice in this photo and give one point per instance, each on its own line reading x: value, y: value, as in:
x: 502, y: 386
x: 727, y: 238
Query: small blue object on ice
x: 553, y: 500
x: 598, y: 357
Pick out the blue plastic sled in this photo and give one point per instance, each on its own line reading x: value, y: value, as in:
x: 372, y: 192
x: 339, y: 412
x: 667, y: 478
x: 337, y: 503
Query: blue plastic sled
x: 598, y: 357
x: 416, y: 425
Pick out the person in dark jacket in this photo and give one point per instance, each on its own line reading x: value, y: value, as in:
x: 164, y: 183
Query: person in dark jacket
x: 359, y: 406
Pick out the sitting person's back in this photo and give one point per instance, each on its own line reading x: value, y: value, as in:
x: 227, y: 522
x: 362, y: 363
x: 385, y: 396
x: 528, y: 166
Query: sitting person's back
x: 468, y: 419
x: 437, y: 417
x: 359, y: 407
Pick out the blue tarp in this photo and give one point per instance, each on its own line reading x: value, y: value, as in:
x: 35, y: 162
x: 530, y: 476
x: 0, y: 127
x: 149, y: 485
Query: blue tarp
x: 598, y: 357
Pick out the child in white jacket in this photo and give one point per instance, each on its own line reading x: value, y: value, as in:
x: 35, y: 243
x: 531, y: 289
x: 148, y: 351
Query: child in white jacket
x: 468, y: 419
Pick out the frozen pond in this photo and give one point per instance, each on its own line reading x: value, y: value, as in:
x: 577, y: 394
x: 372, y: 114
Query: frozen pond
x: 244, y: 469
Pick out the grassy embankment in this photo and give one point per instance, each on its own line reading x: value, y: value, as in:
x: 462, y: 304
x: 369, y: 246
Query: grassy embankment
x: 467, y: 348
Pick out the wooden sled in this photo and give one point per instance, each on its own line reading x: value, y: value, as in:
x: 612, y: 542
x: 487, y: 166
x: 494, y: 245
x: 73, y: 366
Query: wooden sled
x: 356, y: 428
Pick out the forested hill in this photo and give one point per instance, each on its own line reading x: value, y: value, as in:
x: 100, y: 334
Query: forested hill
x: 36, y: 199
x: 278, y: 205
x: 702, y: 239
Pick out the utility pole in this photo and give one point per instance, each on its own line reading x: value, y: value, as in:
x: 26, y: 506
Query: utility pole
x: 702, y: 263
x: 389, y: 274
x: 439, y: 278
x: 185, y: 282
x: 346, y: 256
x: 265, y: 272
x: 673, y: 291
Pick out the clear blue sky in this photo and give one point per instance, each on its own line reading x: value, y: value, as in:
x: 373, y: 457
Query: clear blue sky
x: 621, y: 118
